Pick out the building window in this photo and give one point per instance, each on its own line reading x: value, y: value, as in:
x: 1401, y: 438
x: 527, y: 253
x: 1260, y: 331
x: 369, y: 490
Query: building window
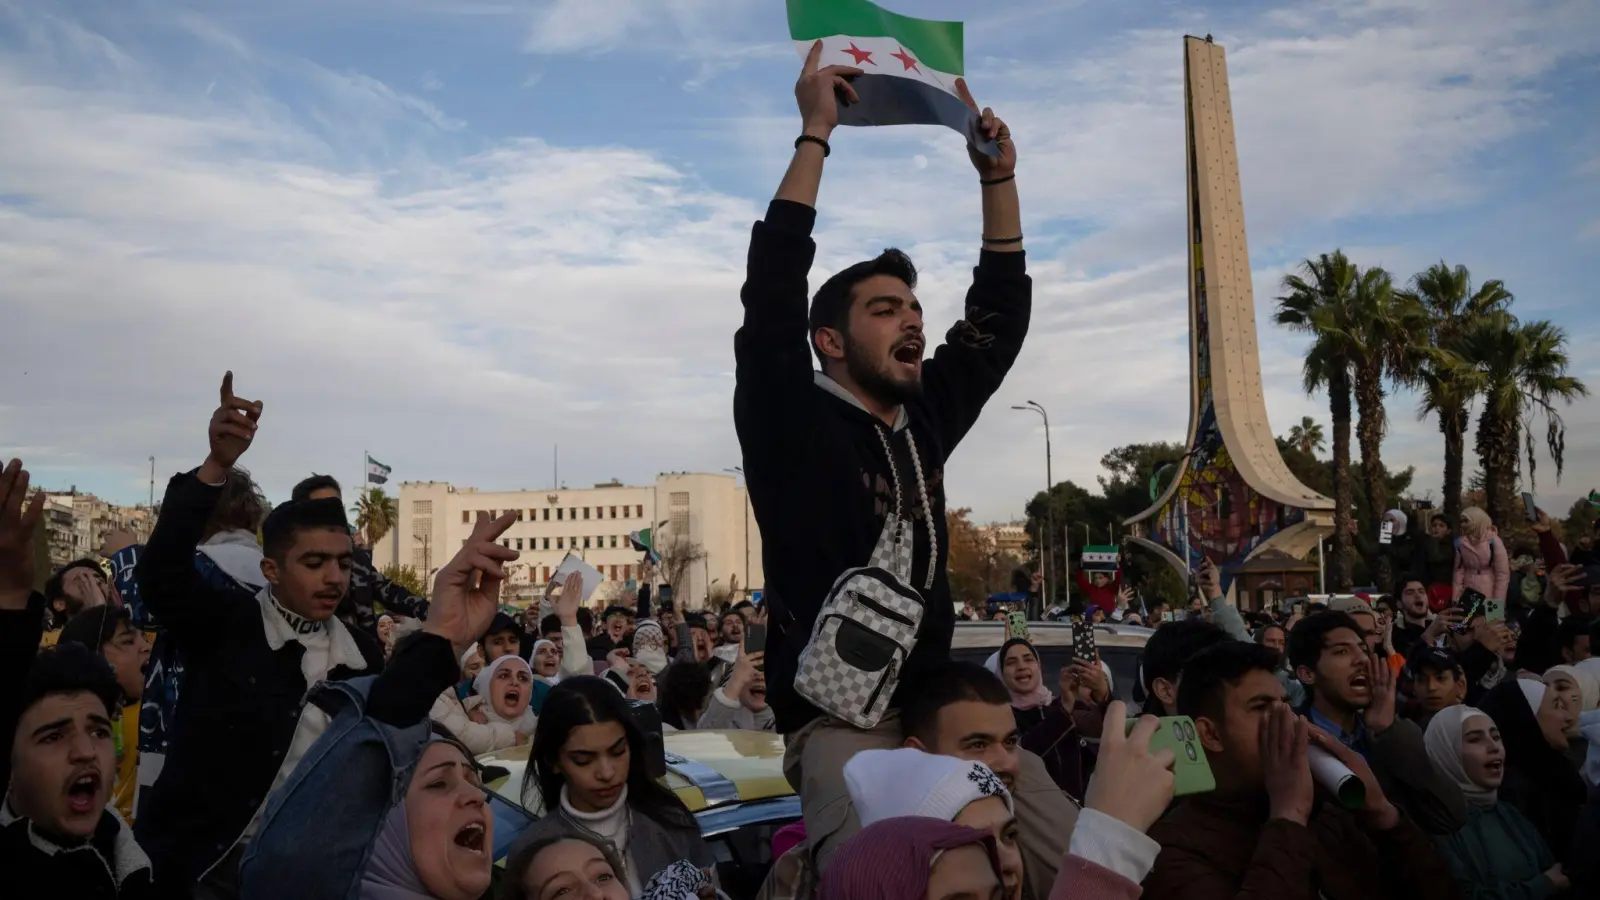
x: 422, y: 507
x: 547, y: 513
x: 419, y: 559
x: 586, y: 512
x: 613, y: 512
x: 613, y: 573
x: 558, y: 514
x: 586, y: 542
x: 519, y: 543
x: 627, y: 572
x: 506, y: 543
x: 494, y: 513
x: 466, y: 517
x: 640, y: 513
x: 547, y: 574
x: 547, y: 543
x: 519, y: 515
x: 561, y: 544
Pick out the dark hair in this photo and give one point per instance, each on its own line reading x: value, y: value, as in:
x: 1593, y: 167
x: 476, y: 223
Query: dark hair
x: 741, y: 605
x: 289, y: 519
x: 1209, y: 672
x: 306, y: 488
x: 94, y: 628
x: 1172, y: 646
x: 587, y: 700
x: 1261, y: 633
x: 830, y: 307
x: 501, y: 624
x: 946, y: 683
x: 697, y: 620
x: 68, y: 669
x: 1439, y: 517
x: 550, y: 624
x: 522, y: 857
x: 1000, y: 661
x: 1309, y: 637
x: 240, y: 506
x: 682, y: 688
x: 585, y: 619
x: 53, y: 587
x: 723, y: 617
x: 1573, y: 627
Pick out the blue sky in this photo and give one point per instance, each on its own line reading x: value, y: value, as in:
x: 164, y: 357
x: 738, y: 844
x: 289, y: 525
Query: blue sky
x: 458, y: 233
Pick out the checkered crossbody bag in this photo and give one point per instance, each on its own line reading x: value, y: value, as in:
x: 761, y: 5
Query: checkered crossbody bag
x: 869, y: 621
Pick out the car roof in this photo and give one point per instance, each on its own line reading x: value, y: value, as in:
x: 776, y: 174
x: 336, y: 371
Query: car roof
x: 990, y: 635
x: 706, y: 769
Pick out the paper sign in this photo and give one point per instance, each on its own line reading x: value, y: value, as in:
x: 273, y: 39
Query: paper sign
x: 573, y: 563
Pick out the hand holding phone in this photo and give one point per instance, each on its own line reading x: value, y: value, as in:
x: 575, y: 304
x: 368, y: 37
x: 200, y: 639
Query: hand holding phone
x: 1017, y: 625
x: 1134, y: 779
x: 1175, y: 735
x: 755, y: 637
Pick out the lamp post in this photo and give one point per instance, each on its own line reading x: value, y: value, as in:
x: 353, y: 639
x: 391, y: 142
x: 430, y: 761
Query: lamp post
x: 1048, y: 526
x: 427, y: 558
x: 739, y: 470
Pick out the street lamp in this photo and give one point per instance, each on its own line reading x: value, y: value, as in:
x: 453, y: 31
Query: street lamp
x: 1050, y: 516
x: 739, y: 471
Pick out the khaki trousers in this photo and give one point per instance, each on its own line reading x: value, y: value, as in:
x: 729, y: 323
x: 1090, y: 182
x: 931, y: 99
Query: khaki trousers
x: 813, y: 762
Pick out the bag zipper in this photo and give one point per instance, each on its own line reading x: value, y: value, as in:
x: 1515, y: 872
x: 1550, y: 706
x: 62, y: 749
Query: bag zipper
x: 884, y: 611
x: 872, y: 699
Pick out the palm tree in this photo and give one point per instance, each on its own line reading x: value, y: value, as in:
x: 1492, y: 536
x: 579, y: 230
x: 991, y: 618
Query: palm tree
x: 1320, y: 304
x: 376, y: 514
x: 1307, y: 436
x: 1524, y: 371
x: 1448, y: 382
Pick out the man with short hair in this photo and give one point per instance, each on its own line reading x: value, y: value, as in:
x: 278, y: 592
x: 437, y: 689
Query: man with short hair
x: 108, y: 632
x: 75, y: 587
x: 241, y: 722
x: 1352, y: 696
x: 58, y: 836
x: 1574, y: 635
x: 1164, y: 656
x: 836, y: 460
x: 1437, y: 682
x: 504, y: 638
x: 1413, y: 608
x: 368, y: 587
x: 1261, y: 833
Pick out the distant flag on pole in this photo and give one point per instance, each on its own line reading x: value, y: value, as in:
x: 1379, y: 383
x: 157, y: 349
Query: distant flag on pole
x: 377, y: 472
x: 910, y: 66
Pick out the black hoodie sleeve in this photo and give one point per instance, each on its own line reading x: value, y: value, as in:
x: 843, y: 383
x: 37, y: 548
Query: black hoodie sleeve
x: 172, y: 588
x: 774, y: 389
x: 20, y: 633
x: 978, y: 350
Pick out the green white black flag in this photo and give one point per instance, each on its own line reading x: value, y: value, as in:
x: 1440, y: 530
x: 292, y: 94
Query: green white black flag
x: 910, y: 66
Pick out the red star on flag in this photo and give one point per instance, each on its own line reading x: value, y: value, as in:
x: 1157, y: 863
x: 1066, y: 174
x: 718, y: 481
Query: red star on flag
x: 861, y: 56
x: 907, y: 59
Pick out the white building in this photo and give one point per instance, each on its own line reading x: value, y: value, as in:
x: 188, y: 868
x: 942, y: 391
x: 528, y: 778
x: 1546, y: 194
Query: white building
x: 76, y: 524
x: 705, y: 531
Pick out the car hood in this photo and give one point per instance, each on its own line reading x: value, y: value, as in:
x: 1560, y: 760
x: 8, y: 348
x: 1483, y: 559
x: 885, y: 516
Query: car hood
x: 705, y: 769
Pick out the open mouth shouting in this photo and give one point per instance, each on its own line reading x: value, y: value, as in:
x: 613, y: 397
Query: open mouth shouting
x: 908, y: 353
x: 86, y: 793
x: 473, y: 838
x: 1361, y: 685
x: 513, y: 697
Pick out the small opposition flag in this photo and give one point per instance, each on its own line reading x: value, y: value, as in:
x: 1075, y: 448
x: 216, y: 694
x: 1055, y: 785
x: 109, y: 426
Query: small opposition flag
x: 377, y: 472
x: 909, y: 66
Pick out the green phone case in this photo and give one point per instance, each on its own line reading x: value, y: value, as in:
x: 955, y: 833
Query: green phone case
x: 1019, y: 625
x: 1494, y: 610
x: 1191, y: 773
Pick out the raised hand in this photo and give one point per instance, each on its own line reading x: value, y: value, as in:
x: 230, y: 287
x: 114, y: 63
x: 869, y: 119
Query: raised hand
x: 1380, y: 713
x: 1091, y: 676
x: 232, y: 428
x: 18, y: 522
x: 994, y: 128
x: 818, y: 91
x: 1210, y: 580
x: 466, y: 591
x: 115, y: 542
x: 1377, y: 813
x: 1285, y: 765
x: 1130, y: 783
x: 1542, y: 523
x: 571, y: 599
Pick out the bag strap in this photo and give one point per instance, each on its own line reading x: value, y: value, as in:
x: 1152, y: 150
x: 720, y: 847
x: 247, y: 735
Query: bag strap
x: 896, y: 541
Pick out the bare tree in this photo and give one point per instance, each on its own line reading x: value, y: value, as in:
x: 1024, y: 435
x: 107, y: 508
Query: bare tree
x: 677, y: 556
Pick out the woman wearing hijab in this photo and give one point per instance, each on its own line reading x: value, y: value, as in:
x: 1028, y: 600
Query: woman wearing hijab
x: 1498, y: 854
x: 591, y: 771
x: 1539, y: 781
x: 913, y: 858
x: 451, y: 711
x: 506, y: 687
x: 582, y: 867
x: 545, y: 660
x: 1481, y: 561
x: 1058, y: 729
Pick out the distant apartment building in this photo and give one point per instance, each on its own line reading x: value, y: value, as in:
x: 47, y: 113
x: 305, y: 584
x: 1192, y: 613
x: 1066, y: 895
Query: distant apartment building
x: 702, y: 520
x: 76, y: 524
x: 1010, y: 539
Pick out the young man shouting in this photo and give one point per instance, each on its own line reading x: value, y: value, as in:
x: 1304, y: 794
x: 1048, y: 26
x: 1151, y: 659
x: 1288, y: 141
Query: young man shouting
x: 825, y: 451
x: 368, y: 587
x: 241, y: 722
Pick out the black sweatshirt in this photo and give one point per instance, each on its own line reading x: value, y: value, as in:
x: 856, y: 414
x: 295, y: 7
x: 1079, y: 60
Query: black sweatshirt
x: 819, y: 479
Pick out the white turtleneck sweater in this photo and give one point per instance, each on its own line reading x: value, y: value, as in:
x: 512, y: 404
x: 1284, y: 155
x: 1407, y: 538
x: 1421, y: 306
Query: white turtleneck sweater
x: 610, y: 825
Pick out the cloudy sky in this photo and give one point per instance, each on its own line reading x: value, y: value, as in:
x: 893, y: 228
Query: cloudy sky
x: 459, y: 232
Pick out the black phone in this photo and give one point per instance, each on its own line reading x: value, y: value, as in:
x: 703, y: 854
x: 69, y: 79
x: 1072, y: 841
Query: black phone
x: 663, y: 597
x: 1083, y: 649
x: 1529, y: 509
x: 1472, y: 603
x: 755, y: 637
x: 648, y: 718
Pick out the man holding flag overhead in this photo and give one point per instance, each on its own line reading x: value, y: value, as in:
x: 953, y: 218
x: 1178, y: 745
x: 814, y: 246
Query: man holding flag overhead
x: 837, y: 459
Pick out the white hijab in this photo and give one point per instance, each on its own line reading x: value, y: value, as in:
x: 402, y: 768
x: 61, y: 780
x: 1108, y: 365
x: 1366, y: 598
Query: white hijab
x: 523, y: 724
x: 1443, y: 741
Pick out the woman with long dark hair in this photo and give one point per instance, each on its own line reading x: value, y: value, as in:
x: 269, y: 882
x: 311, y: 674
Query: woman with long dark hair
x: 590, y: 775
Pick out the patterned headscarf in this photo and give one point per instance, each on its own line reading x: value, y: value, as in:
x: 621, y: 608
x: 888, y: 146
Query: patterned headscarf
x: 891, y: 860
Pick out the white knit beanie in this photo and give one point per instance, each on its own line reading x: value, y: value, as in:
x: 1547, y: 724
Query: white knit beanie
x: 888, y: 784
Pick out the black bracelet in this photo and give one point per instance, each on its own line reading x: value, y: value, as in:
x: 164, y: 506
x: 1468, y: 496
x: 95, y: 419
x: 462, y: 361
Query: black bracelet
x: 813, y: 139
x: 1010, y: 240
x: 1002, y: 180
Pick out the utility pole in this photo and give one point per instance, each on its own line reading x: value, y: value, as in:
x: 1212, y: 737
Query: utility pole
x: 152, y: 484
x: 1049, y: 520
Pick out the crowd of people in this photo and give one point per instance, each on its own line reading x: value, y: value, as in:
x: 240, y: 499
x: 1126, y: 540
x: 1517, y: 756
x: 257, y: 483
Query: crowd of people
x: 224, y: 717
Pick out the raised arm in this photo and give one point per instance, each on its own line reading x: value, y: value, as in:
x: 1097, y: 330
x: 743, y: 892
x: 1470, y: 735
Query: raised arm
x: 169, y: 585
x: 574, y: 654
x: 393, y: 597
x: 21, y: 607
x: 771, y: 350
x: 979, y: 350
